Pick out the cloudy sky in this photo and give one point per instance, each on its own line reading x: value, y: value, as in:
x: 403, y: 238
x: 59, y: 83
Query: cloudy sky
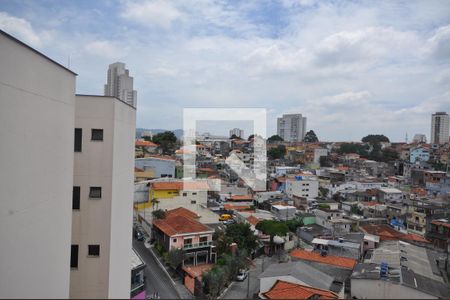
x: 351, y: 67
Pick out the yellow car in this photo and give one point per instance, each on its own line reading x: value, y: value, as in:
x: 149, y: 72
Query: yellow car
x: 225, y: 217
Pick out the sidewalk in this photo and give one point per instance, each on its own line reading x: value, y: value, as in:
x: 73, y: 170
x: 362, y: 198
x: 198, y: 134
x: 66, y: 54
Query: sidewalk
x: 177, y: 282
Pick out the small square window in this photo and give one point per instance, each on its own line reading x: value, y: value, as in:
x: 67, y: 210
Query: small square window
x: 97, y: 135
x: 95, y: 192
x: 193, y: 202
x: 94, y: 250
x: 174, y: 240
x: 184, y: 194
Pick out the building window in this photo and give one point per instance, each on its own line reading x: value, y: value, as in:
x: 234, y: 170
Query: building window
x: 76, y: 197
x: 95, y: 192
x: 78, y: 138
x: 97, y: 135
x: 194, y: 194
x: 187, y: 242
x: 94, y: 250
x: 174, y: 240
x: 184, y: 194
x: 193, y: 202
x: 203, y: 239
x: 74, y: 256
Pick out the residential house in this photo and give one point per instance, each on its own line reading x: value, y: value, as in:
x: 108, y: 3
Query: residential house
x: 137, y: 277
x: 390, y: 195
x: 160, y: 166
x: 180, y: 229
x: 302, y: 186
x: 419, y: 154
x: 284, y: 212
x: 439, y: 233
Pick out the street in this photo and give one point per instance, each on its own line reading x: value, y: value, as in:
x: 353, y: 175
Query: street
x: 239, y: 288
x: 156, y: 279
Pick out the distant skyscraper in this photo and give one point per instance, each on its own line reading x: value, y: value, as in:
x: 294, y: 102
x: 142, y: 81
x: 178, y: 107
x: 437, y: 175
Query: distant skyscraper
x: 120, y: 84
x: 237, y: 132
x: 292, y: 127
x: 439, y: 128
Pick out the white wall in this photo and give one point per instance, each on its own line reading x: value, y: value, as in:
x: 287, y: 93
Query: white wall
x: 106, y: 221
x: 303, y: 188
x: 36, y: 168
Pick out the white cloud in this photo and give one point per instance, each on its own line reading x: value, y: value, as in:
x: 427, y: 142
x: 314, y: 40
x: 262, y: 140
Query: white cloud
x: 105, y: 49
x: 439, y: 44
x: 158, y: 13
x: 21, y: 28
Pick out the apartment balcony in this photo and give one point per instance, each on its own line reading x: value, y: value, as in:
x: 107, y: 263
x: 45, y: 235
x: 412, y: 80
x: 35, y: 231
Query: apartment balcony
x: 199, y: 245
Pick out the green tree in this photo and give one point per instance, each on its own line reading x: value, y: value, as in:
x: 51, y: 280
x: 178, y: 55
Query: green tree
x: 294, y: 224
x: 310, y: 137
x: 250, y: 137
x: 375, y: 138
x: 389, y: 154
x: 159, y: 214
x: 166, y: 141
x: 175, y: 257
x: 362, y: 150
x: 235, y: 137
x: 275, y: 138
x: 277, y: 153
x: 242, y: 235
x: 272, y: 228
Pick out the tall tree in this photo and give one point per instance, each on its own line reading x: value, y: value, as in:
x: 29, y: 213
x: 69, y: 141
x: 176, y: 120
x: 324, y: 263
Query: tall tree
x: 242, y: 235
x: 277, y: 153
x: 311, y: 137
x: 166, y: 141
x: 275, y: 138
x: 375, y: 138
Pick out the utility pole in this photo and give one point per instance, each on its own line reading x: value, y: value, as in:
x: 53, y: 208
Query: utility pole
x: 248, y: 285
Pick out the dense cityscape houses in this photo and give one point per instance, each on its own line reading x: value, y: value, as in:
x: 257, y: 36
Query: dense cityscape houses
x: 335, y: 220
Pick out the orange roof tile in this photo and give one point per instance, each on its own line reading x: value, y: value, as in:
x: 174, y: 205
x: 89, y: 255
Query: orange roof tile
x: 287, y: 290
x: 240, y: 198
x: 253, y: 220
x: 138, y: 170
x: 142, y: 143
x: 197, y: 271
x: 370, y: 203
x: 229, y: 206
x: 337, y: 261
x: 439, y: 223
x: 178, y: 224
x: 181, y: 211
x: 387, y: 233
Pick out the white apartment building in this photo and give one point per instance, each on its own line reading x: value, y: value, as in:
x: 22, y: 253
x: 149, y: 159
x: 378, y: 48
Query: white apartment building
x: 37, y: 112
x: 305, y: 188
x: 103, y: 186
x: 70, y: 203
x: 439, y: 128
x: 291, y: 127
x: 120, y: 84
x: 237, y: 132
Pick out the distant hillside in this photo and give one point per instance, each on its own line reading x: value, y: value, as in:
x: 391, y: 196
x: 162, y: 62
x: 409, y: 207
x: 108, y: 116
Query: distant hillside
x: 178, y: 132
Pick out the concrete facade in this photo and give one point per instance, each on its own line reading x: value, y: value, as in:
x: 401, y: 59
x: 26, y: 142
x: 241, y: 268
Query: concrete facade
x: 105, y: 221
x: 36, y: 132
x: 291, y: 127
x: 439, y: 128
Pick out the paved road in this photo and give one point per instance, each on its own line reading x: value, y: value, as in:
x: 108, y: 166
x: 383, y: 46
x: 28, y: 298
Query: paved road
x: 238, y: 290
x: 156, y: 278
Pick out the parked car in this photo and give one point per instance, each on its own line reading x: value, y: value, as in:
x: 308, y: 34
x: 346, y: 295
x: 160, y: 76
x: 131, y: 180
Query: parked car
x: 225, y: 217
x: 242, y: 275
x: 229, y: 222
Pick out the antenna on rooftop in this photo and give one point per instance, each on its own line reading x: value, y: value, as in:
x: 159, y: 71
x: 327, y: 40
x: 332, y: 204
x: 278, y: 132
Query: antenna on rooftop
x: 406, y: 137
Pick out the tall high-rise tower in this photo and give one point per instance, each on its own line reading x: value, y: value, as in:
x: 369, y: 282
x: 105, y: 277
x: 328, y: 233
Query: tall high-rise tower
x: 439, y: 128
x: 292, y: 127
x: 120, y: 84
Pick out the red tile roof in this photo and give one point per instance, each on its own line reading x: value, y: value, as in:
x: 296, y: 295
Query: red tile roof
x: 235, y: 207
x: 287, y: 290
x: 181, y: 211
x: 141, y: 143
x: 240, y: 198
x: 337, y: 261
x: 439, y: 223
x: 178, y: 224
x: 387, y: 233
x: 253, y: 220
x: 197, y: 271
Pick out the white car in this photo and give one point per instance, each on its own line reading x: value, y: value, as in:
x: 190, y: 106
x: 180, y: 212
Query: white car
x: 242, y: 275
